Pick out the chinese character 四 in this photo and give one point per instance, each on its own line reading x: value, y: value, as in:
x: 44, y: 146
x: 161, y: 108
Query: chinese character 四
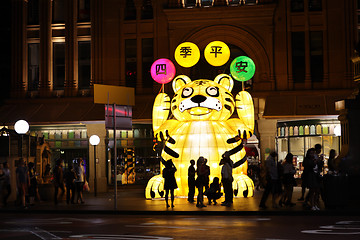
x: 160, y: 69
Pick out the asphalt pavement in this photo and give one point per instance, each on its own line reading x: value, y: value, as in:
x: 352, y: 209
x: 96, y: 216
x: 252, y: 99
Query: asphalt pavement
x: 131, y: 200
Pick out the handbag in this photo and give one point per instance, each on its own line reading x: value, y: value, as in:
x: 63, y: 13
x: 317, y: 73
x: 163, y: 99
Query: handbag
x: 86, y: 187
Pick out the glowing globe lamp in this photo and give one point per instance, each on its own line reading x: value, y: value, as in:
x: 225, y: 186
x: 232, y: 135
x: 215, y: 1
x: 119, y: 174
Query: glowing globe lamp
x: 21, y: 127
x: 94, y: 140
x: 242, y: 68
x: 217, y: 53
x: 163, y: 70
x: 187, y: 54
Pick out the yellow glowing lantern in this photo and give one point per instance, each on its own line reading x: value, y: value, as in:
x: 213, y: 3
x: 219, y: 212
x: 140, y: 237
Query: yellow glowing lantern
x: 243, y: 186
x: 201, y: 126
x: 187, y: 54
x: 217, y: 53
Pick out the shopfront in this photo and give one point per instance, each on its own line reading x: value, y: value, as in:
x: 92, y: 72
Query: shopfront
x: 298, y: 136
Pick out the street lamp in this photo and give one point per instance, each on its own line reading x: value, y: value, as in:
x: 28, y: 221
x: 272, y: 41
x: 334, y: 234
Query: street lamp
x: 21, y: 127
x: 94, y: 140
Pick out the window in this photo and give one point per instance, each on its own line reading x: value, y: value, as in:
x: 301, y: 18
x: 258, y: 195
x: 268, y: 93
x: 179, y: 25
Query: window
x: 58, y: 11
x: 83, y: 10
x: 147, y: 60
x: 298, y: 56
x: 206, y: 3
x: 234, y: 2
x: 250, y: 2
x: 190, y: 3
x: 316, y: 56
x: 84, y: 66
x: 58, y: 65
x: 297, y: 5
x: 147, y: 10
x: 130, y: 10
x: 33, y: 12
x: 130, y: 62
x: 315, y: 5
x: 33, y: 66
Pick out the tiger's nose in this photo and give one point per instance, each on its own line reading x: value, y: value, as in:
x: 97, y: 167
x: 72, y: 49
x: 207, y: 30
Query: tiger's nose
x: 198, y: 99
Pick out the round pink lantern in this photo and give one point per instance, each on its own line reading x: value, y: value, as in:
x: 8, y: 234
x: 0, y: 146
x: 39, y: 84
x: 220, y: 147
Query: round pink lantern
x: 163, y: 70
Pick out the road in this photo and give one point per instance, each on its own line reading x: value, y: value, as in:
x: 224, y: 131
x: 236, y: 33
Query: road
x: 166, y: 227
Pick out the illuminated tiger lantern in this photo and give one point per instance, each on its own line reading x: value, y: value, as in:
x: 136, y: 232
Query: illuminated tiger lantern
x: 200, y: 125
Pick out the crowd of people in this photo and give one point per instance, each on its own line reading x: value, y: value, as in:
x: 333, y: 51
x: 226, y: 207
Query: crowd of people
x: 71, y: 181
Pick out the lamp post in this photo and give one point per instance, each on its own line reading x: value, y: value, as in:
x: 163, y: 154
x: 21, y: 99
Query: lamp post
x: 21, y: 127
x: 94, y: 140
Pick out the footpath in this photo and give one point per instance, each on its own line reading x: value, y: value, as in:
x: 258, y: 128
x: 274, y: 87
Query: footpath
x: 131, y: 200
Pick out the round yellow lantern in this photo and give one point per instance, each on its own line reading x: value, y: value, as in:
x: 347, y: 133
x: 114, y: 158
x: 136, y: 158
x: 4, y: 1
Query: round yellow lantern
x: 217, y: 53
x: 187, y: 54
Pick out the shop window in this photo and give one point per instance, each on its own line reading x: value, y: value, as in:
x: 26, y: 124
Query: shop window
x: 64, y: 134
x: 296, y: 130
x: 130, y: 10
x: 71, y: 134
x: 297, y: 5
x: 301, y: 130
x: 147, y: 45
x: 123, y: 134
x: 316, y: 56
x: 307, y: 130
x: 291, y: 131
x: 325, y: 130
x: 136, y: 133
x: 315, y: 5
x: 147, y: 10
x: 83, y: 134
x: 279, y: 132
x: 84, y: 64
x: 298, y: 56
x: 312, y: 130
x: 296, y: 146
x: 318, y: 129
x: 130, y: 134
x: 46, y: 135
x: 286, y: 131
x: 83, y: 10
x: 130, y: 62
x: 282, y: 131
x: 33, y: 12
x: 58, y: 11
x: 58, y: 65
x: 33, y: 66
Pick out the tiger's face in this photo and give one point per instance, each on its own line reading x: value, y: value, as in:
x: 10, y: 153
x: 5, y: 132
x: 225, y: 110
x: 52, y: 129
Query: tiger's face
x: 202, y: 99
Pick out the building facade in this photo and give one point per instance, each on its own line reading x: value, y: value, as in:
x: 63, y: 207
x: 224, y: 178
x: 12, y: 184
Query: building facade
x: 302, y: 50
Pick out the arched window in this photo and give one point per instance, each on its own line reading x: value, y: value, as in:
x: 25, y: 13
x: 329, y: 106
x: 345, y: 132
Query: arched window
x: 130, y: 10
x: 312, y: 130
x: 147, y: 10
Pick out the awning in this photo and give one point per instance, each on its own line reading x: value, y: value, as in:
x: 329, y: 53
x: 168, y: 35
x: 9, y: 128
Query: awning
x: 300, y: 106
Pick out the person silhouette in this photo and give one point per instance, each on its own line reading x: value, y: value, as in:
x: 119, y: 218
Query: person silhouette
x: 191, y: 181
x: 170, y: 181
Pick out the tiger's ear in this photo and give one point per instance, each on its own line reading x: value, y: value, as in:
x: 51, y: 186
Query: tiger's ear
x: 179, y: 82
x: 225, y: 80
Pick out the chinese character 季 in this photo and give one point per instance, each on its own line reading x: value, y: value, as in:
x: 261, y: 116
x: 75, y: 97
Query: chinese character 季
x: 241, y: 66
x: 185, y: 51
x: 216, y: 50
x: 160, y: 69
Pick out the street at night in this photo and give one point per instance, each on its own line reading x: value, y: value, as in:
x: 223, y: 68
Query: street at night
x: 59, y: 226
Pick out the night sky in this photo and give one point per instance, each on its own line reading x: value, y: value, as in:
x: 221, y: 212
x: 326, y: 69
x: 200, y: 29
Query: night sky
x: 5, y: 49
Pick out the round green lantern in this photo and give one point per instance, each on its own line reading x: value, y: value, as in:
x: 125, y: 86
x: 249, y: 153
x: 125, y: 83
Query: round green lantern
x: 242, y: 68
